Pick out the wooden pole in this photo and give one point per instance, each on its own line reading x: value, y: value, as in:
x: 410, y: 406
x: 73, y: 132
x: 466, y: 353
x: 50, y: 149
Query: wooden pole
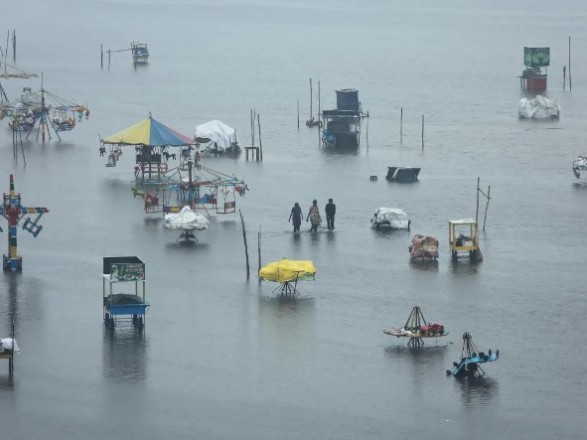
x: 487, y: 205
x: 319, y: 122
x: 101, y: 56
x: 259, y: 249
x: 298, y: 114
x: 570, y: 84
x: 477, y: 206
x: 109, y: 57
x: 252, y: 129
x: 401, y: 125
x: 14, y: 45
x: 422, y: 132
x: 260, y: 145
x: 245, y: 241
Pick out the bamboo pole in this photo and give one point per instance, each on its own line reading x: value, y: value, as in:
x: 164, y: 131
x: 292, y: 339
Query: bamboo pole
x: 260, y: 145
x: 477, y: 205
x: 298, y: 114
x: 422, y: 132
x: 401, y: 125
x: 570, y: 84
x: 487, y: 205
x: 259, y: 249
x: 245, y: 241
x: 14, y: 45
x: 101, y: 56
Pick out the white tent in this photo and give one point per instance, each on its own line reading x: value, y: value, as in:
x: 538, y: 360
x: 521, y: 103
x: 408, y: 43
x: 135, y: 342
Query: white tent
x: 216, y: 131
x: 186, y: 219
x: 538, y: 108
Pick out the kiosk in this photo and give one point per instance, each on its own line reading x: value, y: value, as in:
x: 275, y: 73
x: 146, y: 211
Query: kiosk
x: 126, y: 274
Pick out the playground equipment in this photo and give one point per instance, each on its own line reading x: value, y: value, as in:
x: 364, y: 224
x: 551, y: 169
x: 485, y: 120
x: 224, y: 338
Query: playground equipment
x: 13, y: 211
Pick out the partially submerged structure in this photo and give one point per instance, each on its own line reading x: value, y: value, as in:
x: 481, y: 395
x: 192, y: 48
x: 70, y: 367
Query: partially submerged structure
x: 463, y: 238
x: 471, y: 358
x: 402, y: 174
x: 538, y: 108
x: 423, y: 247
x: 342, y: 126
x: 130, y: 306
x: 390, y: 218
x: 534, y: 78
x: 287, y: 273
x: 417, y: 328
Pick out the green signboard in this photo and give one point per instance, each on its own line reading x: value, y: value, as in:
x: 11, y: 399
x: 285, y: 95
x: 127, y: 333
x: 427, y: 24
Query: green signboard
x: 127, y: 272
x: 536, y: 56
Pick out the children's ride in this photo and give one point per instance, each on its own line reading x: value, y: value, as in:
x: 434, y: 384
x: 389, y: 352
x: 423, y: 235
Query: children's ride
x: 471, y: 358
x: 417, y: 328
x: 13, y: 211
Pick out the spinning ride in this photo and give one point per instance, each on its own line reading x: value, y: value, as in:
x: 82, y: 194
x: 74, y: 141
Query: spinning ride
x: 13, y: 211
x: 287, y: 273
x: 471, y: 357
x: 46, y: 111
x: 417, y: 328
x: 201, y: 188
x: 152, y: 142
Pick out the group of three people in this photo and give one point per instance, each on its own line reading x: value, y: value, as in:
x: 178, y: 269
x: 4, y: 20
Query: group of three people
x: 313, y: 217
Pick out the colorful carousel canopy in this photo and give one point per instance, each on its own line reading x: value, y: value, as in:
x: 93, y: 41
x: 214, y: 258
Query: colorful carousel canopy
x: 149, y: 132
x: 285, y: 270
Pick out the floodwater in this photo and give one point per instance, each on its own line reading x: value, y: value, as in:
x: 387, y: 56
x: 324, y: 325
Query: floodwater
x: 223, y: 356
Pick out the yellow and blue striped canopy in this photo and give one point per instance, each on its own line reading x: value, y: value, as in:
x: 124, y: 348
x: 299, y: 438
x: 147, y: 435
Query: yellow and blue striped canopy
x: 149, y: 132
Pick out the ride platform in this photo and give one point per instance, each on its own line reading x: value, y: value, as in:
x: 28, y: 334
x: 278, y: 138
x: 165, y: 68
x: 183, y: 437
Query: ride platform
x: 417, y: 329
x: 471, y: 358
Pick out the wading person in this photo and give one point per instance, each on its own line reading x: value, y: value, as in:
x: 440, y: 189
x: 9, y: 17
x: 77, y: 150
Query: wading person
x: 296, y: 215
x: 330, y: 213
x: 314, y: 216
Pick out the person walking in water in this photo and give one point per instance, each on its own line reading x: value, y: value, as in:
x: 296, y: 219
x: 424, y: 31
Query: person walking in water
x: 314, y: 216
x: 297, y: 216
x: 330, y: 213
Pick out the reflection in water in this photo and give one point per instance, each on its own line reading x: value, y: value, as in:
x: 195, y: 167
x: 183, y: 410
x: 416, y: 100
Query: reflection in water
x: 464, y: 267
x: 478, y: 391
x: 422, y: 360
x: 287, y: 322
x: 6, y: 380
x: 431, y: 265
x: 124, y: 354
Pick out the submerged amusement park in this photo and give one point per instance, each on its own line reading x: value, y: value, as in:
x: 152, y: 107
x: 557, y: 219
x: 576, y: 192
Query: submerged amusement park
x: 253, y: 225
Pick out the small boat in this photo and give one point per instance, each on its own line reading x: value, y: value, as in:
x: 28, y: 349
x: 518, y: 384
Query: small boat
x: 402, y: 174
x: 390, y: 218
x: 140, y: 53
x: 468, y: 366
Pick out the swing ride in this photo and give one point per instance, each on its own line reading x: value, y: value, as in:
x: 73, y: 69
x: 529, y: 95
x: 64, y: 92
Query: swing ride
x: 287, y: 273
x: 43, y: 110
x: 152, y: 142
x: 13, y: 211
x: 201, y: 188
x: 471, y: 357
x: 417, y: 328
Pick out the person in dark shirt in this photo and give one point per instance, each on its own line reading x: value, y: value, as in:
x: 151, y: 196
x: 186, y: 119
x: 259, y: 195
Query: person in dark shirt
x: 330, y: 213
x: 296, y: 215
